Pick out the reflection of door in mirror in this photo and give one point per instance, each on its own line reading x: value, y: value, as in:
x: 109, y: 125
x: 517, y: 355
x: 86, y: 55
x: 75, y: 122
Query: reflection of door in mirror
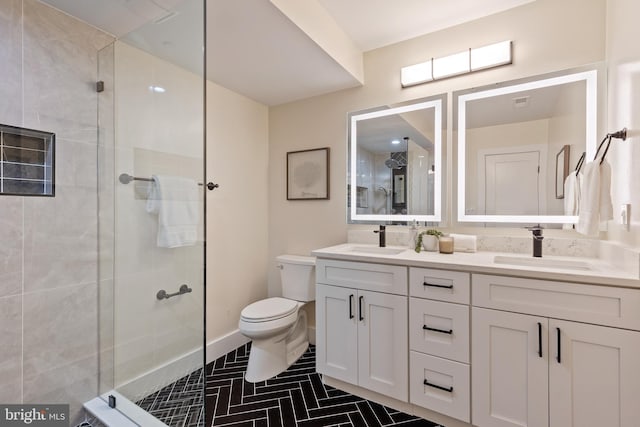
x: 511, y: 183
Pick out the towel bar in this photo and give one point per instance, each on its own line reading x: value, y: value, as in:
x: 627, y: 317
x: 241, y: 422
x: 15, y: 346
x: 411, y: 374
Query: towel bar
x: 162, y: 294
x: 125, y: 178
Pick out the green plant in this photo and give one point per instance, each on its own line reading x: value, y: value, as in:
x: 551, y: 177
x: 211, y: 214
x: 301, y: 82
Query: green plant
x: 429, y: 232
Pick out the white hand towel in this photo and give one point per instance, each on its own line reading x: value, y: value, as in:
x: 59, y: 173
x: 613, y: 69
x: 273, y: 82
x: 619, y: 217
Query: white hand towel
x: 572, y: 196
x: 175, y: 200
x: 464, y: 242
x: 595, y: 197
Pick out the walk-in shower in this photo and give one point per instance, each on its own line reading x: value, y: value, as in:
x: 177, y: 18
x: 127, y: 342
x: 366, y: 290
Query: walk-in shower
x: 151, y: 287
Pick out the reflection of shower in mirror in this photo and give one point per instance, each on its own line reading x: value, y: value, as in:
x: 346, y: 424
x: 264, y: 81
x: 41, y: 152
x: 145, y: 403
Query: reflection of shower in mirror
x: 386, y: 192
x: 384, y: 208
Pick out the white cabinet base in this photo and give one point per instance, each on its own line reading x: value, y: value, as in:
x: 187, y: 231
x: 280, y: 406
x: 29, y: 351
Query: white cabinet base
x: 440, y: 384
x: 398, y: 405
x: 597, y: 381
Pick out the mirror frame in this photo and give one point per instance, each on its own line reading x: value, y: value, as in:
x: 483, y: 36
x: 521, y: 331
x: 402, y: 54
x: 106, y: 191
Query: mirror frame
x: 589, y: 74
x: 438, y: 104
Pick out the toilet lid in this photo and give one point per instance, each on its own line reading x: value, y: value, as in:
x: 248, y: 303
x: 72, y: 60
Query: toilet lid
x: 268, y: 309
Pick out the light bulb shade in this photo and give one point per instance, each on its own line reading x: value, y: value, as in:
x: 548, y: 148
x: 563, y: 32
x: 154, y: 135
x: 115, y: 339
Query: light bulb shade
x: 452, y: 65
x: 481, y: 58
x: 490, y: 56
x: 416, y: 74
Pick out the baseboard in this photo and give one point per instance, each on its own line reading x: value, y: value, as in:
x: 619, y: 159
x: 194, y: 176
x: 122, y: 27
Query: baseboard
x: 171, y: 371
x: 161, y: 376
x: 224, y: 344
x: 229, y: 342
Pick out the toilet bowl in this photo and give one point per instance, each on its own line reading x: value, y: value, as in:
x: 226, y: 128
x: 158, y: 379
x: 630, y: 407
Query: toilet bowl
x: 278, y: 326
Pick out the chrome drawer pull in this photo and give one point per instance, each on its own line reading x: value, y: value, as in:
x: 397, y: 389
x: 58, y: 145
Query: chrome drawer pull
x: 442, y: 331
x: 439, y: 387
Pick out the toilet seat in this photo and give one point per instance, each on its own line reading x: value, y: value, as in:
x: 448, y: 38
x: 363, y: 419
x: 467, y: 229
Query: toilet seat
x: 268, y: 309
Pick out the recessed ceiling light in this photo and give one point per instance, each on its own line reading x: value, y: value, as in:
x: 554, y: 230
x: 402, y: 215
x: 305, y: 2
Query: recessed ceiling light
x: 395, y: 142
x: 157, y: 89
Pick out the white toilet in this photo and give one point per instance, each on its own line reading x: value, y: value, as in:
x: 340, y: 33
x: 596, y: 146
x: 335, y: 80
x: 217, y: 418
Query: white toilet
x: 277, y: 326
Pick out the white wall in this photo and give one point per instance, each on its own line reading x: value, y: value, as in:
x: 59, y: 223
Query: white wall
x: 548, y: 35
x: 623, y: 56
x: 237, y: 226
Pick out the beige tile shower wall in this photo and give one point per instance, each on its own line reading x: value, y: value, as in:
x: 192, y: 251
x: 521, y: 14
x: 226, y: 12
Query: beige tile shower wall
x: 48, y: 259
x: 548, y: 35
x: 237, y: 227
x: 156, y: 133
x: 623, y: 58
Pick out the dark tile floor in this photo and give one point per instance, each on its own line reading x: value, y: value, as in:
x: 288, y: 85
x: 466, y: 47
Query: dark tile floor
x: 297, y: 397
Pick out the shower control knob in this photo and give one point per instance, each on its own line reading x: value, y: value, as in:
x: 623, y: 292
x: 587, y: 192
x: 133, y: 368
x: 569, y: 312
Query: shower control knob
x: 212, y: 186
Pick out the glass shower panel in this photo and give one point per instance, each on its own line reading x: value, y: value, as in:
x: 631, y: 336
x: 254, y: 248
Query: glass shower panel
x: 151, y: 222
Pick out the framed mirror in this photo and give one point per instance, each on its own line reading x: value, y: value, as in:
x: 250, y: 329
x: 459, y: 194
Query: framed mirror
x: 395, y: 162
x: 510, y: 138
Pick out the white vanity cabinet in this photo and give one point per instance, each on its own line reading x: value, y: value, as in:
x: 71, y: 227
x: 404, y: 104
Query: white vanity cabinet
x: 439, y: 372
x: 538, y: 359
x: 361, y: 324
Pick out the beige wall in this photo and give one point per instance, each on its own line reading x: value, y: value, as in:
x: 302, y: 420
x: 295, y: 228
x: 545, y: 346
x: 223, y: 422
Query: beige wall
x: 48, y: 268
x: 623, y: 55
x: 548, y: 35
x: 237, y: 227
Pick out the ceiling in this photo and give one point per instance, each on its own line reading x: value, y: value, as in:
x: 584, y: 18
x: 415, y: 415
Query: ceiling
x: 256, y: 50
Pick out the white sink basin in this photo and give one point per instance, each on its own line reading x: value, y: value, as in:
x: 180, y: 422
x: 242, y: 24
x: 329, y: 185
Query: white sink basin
x: 542, y: 262
x: 375, y: 250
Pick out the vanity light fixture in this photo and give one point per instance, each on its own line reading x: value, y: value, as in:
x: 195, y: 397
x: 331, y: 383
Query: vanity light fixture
x: 476, y: 59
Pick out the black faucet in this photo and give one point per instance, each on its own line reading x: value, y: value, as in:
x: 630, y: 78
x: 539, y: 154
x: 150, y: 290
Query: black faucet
x: 537, y: 240
x: 382, y: 235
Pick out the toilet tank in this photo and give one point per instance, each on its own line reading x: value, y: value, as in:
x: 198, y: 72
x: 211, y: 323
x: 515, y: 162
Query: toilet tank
x: 298, y: 276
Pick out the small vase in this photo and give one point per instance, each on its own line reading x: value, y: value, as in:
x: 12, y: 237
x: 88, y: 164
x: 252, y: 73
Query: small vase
x: 430, y: 242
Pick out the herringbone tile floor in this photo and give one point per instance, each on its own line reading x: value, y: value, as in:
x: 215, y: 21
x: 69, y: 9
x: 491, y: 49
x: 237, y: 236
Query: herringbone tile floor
x: 297, y: 397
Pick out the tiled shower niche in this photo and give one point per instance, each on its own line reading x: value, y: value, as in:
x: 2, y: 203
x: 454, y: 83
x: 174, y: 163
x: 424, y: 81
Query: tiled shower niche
x: 26, y: 162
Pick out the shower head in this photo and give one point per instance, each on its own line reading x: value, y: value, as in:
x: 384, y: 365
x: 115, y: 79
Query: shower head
x: 392, y: 163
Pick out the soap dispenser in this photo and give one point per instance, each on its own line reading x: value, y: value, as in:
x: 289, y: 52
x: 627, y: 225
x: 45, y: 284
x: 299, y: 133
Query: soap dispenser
x: 413, y: 234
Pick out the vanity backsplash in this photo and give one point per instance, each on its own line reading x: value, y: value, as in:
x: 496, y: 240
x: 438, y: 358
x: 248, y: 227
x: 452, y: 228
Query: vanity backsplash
x: 586, y: 248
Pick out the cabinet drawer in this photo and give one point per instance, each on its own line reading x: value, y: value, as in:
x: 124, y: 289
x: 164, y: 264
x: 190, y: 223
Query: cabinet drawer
x: 602, y: 305
x: 360, y: 275
x: 439, y: 328
x: 442, y: 285
x: 440, y: 385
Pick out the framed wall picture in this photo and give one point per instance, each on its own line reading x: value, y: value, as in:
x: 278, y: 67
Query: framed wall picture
x: 308, y: 174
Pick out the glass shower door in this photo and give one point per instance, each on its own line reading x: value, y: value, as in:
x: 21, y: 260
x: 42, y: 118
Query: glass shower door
x: 151, y: 219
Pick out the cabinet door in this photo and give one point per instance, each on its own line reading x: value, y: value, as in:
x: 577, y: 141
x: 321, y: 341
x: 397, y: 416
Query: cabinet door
x: 383, y: 348
x: 596, y: 382
x: 509, y: 369
x: 337, y: 339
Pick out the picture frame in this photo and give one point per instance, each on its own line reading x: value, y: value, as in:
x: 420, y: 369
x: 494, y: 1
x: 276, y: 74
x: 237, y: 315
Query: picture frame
x: 562, y: 170
x: 308, y: 174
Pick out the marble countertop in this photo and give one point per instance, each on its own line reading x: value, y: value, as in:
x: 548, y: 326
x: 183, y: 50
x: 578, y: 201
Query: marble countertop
x: 599, y: 272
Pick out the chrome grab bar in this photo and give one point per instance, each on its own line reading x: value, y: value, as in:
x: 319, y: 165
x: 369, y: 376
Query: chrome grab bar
x: 162, y: 294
